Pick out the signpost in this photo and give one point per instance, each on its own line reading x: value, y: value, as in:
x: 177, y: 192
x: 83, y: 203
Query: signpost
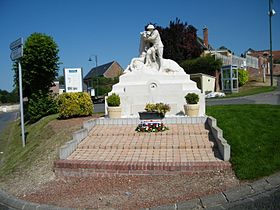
x: 73, y: 80
x: 16, y: 54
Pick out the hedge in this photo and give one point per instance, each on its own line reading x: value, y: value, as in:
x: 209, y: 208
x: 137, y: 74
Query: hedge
x: 74, y: 105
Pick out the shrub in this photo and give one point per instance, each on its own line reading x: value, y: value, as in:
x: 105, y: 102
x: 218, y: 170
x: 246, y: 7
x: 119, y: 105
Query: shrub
x: 150, y: 107
x: 113, y: 100
x: 162, y: 108
x: 74, y: 105
x: 192, y: 98
x: 41, y: 105
x: 243, y: 77
x: 158, y: 107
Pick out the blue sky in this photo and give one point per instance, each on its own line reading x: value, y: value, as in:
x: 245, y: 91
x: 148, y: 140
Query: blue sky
x: 110, y: 29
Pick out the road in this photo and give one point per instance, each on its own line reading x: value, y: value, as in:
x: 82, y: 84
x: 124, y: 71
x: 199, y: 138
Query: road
x: 6, y: 117
x: 262, y: 98
x: 99, y: 108
x: 272, y: 98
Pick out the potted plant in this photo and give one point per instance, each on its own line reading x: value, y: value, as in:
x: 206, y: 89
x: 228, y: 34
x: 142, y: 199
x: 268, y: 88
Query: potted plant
x: 154, y: 111
x: 192, y: 106
x: 114, y: 109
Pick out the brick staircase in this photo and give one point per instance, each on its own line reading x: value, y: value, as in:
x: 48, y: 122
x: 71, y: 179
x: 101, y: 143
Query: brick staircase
x: 111, y: 150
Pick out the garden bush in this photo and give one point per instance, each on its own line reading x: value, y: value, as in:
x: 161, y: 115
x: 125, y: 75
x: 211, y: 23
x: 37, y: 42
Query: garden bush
x: 74, y: 105
x: 41, y: 105
x: 192, y: 98
x: 113, y: 100
x: 243, y: 76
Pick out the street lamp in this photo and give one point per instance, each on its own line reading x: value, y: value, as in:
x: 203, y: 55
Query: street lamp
x: 90, y: 59
x: 271, y: 13
x: 95, y: 56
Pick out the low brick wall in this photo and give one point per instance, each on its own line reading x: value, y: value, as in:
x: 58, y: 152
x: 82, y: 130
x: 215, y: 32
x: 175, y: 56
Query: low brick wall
x: 71, y: 145
x: 83, y: 168
x: 223, y: 146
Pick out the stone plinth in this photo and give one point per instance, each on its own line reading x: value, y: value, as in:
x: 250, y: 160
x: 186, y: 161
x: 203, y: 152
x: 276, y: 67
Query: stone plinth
x: 137, y: 88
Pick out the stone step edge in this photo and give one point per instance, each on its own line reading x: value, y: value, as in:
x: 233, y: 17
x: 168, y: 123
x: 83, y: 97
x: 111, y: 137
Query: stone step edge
x: 124, y: 166
x: 85, y: 147
x: 194, y: 133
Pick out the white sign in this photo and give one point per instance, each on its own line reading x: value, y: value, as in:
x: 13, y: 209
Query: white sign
x: 16, y: 53
x: 17, y: 49
x: 92, y: 92
x: 16, y: 44
x: 73, y: 79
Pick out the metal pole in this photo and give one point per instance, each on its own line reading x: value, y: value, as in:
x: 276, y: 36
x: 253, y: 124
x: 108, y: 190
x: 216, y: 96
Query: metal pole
x: 270, y: 44
x: 21, y: 104
x: 96, y: 60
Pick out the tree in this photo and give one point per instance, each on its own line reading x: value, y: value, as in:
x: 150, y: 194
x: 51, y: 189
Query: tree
x: 40, y: 64
x: 207, y: 65
x: 6, y: 97
x: 180, y: 41
x: 61, y: 80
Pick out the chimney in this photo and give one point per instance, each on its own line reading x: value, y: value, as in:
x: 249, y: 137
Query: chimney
x: 205, y: 36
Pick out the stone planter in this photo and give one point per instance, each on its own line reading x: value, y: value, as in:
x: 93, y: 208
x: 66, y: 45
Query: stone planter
x: 150, y: 116
x: 114, y: 111
x: 191, y: 110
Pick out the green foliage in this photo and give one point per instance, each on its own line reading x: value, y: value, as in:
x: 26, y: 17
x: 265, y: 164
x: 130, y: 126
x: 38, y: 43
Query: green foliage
x: 243, y: 77
x: 17, y: 158
x: 180, y: 41
x: 207, y: 65
x: 150, y: 107
x: 113, y: 100
x: 158, y: 107
x: 61, y: 80
x: 74, y: 105
x: 6, y: 97
x: 252, y: 132
x: 162, y: 108
x: 41, y: 105
x: 251, y: 91
x: 40, y: 63
x: 192, y: 98
x: 103, y: 85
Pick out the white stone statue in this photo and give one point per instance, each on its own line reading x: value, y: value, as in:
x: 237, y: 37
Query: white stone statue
x: 150, y: 55
x: 151, y: 43
x: 150, y: 78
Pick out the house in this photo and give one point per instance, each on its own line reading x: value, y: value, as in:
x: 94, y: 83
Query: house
x: 263, y: 57
x: 228, y: 58
x: 108, y: 70
x: 55, y: 88
x: 248, y: 62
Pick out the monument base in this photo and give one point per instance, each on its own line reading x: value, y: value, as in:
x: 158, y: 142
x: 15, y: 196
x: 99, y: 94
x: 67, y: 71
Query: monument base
x: 137, y: 88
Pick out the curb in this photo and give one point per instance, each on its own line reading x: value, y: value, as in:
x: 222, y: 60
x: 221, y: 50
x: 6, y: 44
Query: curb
x: 261, y: 194
x: 8, y: 202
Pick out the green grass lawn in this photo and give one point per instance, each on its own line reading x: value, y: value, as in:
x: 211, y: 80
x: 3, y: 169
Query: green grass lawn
x: 253, y: 131
x: 250, y: 91
x: 37, y: 144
